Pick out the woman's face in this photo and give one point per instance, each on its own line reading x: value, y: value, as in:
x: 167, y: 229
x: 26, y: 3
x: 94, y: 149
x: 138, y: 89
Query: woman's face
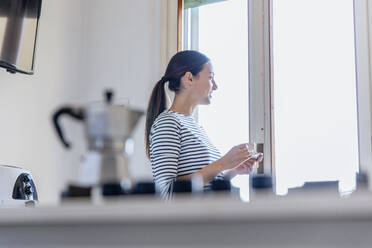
x: 204, y: 84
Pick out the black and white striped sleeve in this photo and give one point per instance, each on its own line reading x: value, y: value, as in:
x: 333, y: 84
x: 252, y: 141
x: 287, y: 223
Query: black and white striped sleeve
x: 165, y: 148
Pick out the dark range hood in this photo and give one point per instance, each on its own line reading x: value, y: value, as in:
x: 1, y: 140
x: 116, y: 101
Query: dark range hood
x: 18, y: 30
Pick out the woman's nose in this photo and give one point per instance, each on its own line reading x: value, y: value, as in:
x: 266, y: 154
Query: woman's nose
x: 214, y: 85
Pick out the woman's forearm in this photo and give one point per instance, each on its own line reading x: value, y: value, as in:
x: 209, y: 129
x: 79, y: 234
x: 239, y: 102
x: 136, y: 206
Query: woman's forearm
x: 236, y: 156
x: 208, y: 173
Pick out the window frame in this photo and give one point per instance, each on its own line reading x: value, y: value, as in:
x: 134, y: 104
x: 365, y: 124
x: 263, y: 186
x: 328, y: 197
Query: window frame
x: 261, y: 108
x: 363, y: 55
x: 260, y: 80
x: 260, y: 85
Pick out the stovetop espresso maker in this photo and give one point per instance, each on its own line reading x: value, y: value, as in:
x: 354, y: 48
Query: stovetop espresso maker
x: 108, y: 130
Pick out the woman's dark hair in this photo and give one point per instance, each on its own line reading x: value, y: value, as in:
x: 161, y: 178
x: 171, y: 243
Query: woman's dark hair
x: 180, y: 63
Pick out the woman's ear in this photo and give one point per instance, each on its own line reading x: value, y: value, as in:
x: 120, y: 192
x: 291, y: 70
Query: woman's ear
x: 188, y: 76
x: 187, y: 79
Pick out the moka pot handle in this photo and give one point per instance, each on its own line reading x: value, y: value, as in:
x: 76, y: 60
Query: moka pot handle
x: 75, y: 112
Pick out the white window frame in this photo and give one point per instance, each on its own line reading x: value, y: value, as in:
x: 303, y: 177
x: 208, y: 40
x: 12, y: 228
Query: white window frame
x: 191, y: 28
x: 363, y: 38
x: 260, y: 83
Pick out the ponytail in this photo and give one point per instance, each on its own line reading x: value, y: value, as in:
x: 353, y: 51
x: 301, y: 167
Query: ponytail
x: 157, y: 104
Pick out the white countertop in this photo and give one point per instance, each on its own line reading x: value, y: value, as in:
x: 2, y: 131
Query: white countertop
x: 314, y: 206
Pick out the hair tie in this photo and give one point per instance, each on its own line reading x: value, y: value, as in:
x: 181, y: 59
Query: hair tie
x: 163, y: 79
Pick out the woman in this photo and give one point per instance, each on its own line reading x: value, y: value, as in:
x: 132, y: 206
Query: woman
x: 176, y: 145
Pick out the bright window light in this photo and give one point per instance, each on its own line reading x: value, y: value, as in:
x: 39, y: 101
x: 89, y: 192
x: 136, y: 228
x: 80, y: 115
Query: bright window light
x: 314, y: 93
x: 223, y: 37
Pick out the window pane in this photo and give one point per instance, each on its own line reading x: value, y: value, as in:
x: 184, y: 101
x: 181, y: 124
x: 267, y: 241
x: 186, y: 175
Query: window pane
x: 223, y: 37
x: 314, y: 92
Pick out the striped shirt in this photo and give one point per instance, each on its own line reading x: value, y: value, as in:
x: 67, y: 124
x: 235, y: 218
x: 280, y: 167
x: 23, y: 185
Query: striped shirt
x: 178, y: 147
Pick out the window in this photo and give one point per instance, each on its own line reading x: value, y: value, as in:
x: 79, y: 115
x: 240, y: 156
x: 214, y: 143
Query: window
x: 311, y: 63
x: 316, y: 136
x: 220, y: 30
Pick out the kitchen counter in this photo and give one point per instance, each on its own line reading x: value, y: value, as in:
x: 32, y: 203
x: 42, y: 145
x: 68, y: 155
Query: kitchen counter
x: 309, y: 219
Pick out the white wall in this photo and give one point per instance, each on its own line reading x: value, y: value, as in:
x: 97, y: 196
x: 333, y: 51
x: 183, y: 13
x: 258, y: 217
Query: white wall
x: 83, y: 47
x: 122, y: 51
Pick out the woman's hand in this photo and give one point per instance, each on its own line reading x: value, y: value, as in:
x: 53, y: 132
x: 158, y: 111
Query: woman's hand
x: 247, y: 166
x: 235, y: 157
x: 244, y: 168
x: 237, y: 161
